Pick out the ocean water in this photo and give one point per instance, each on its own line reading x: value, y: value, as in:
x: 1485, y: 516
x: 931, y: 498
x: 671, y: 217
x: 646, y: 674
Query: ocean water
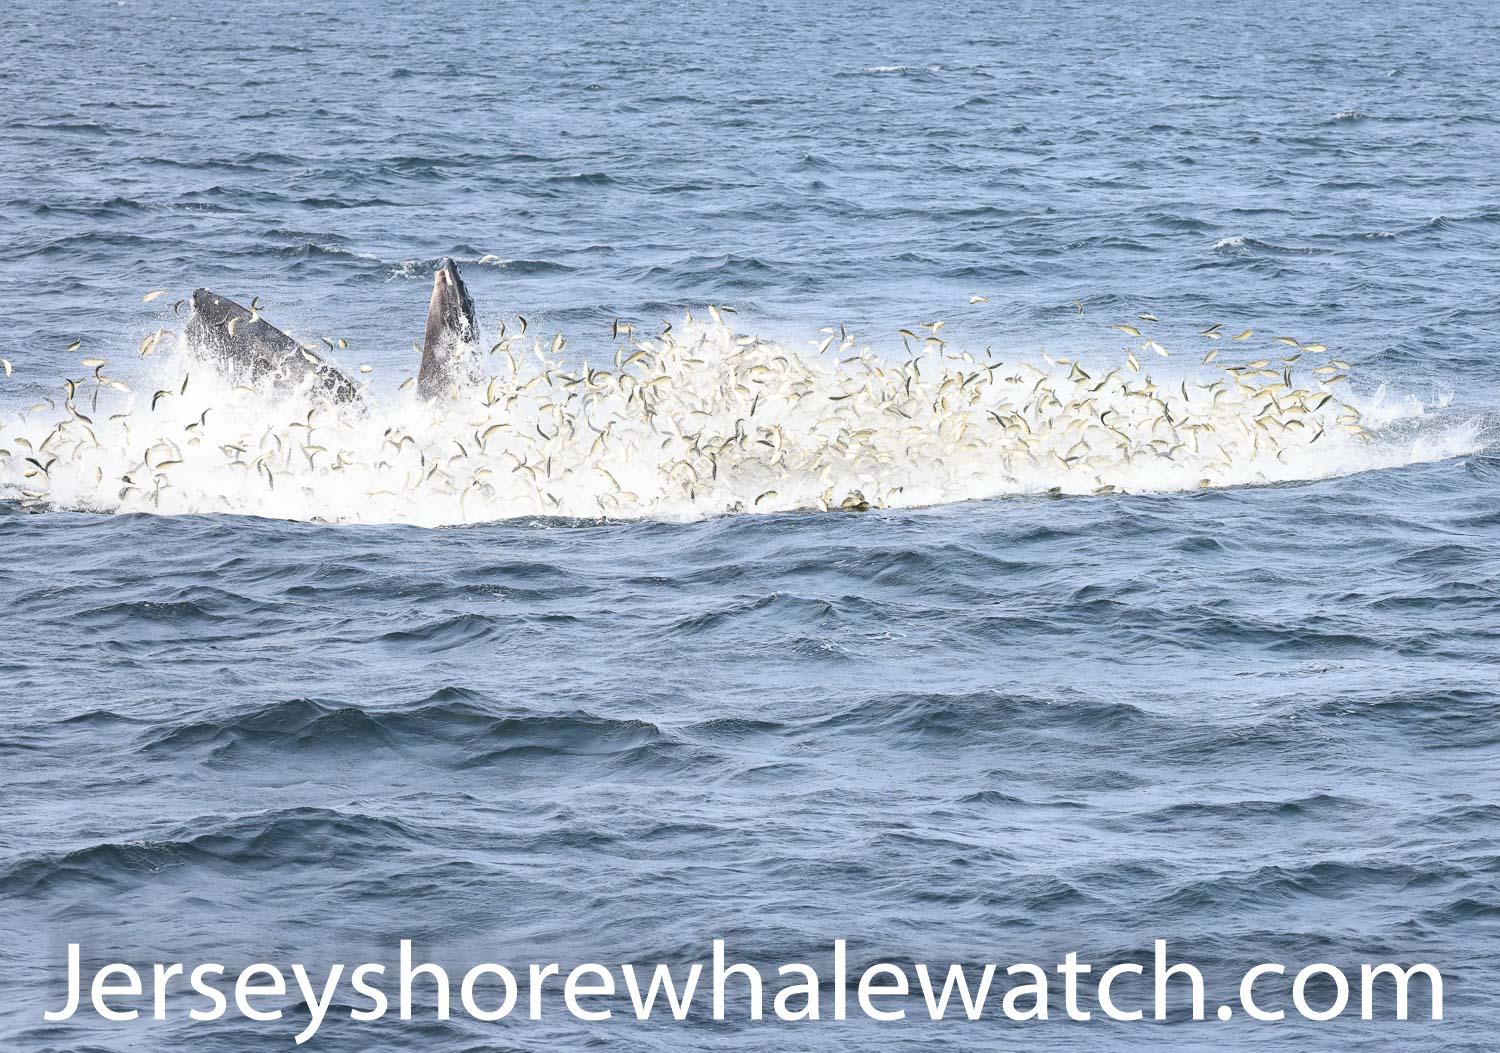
x: 785, y: 639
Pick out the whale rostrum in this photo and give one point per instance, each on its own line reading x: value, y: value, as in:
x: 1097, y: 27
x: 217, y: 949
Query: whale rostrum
x: 449, y: 358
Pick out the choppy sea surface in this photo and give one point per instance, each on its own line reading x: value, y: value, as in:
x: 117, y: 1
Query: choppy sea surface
x: 571, y: 698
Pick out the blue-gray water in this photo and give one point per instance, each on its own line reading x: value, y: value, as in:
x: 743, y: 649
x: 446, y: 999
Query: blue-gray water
x: 1259, y: 722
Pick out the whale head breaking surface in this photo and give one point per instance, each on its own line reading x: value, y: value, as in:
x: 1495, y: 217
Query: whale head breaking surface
x: 449, y: 355
x: 251, y: 350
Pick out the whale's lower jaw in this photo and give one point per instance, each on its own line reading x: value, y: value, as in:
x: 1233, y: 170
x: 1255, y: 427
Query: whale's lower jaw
x: 251, y: 350
x: 450, y: 347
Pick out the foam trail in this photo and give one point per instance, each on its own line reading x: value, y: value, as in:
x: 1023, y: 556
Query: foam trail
x: 698, y: 421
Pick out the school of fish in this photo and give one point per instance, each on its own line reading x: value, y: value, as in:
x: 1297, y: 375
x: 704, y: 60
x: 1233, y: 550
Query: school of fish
x: 697, y: 419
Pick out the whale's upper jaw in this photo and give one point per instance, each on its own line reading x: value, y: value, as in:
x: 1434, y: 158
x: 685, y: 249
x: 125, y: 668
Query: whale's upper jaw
x: 214, y: 309
x: 448, y: 348
x: 451, y: 308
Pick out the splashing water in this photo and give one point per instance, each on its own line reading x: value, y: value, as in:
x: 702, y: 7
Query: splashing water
x: 697, y: 421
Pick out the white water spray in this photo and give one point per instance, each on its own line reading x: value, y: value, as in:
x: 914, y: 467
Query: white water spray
x: 695, y: 422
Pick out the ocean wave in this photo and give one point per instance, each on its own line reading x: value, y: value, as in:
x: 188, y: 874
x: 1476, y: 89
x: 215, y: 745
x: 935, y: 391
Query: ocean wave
x: 1444, y: 221
x: 467, y: 731
x: 1270, y: 888
x: 583, y: 178
x: 1459, y: 718
x: 701, y: 420
x: 311, y: 250
x: 1245, y: 245
x: 292, y: 836
x: 423, y: 268
x: 1319, y: 808
x: 917, y: 720
x: 173, y: 613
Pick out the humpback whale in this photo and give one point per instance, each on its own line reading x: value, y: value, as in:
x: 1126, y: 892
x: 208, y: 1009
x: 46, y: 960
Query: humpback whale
x: 253, y: 351
x: 449, y: 356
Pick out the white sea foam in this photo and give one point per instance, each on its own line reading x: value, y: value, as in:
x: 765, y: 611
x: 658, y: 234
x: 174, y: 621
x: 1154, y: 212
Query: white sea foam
x: 699, y: 422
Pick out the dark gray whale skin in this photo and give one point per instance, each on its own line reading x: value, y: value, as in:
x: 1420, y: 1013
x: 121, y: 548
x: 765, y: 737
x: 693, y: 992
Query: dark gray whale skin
x: 257, y: 353
x: 449, y: 349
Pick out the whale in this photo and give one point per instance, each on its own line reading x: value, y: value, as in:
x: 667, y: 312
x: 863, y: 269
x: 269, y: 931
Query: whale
x: 250, y: 350
x: 450, y: 348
